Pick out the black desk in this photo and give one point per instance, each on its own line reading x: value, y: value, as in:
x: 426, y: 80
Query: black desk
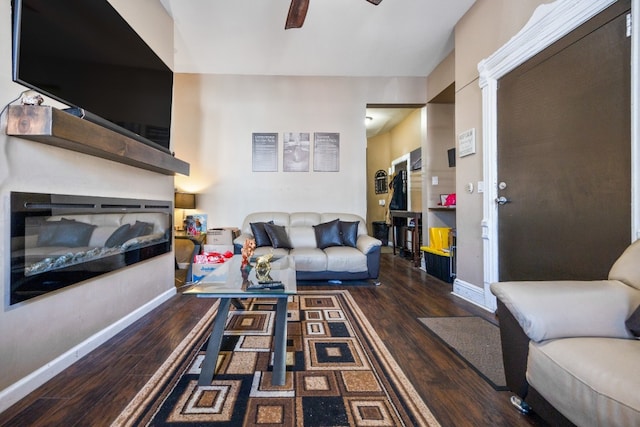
x: 415, y: 236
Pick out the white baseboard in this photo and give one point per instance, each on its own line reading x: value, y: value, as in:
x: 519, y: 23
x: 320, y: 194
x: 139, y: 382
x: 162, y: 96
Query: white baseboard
x: 470, y: 293
x: 26, y: 385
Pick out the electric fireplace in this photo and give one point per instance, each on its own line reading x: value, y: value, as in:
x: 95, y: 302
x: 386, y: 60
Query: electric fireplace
x: 59, y: 240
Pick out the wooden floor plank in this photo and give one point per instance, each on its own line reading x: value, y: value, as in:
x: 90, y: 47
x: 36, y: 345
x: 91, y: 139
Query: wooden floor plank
x: 96, y: 388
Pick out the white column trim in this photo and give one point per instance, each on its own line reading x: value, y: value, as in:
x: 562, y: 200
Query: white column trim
x: 635, y: 121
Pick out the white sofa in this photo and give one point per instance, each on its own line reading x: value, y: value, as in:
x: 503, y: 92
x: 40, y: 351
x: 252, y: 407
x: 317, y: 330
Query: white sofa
x: 356, y: 258
x: 570, y: 348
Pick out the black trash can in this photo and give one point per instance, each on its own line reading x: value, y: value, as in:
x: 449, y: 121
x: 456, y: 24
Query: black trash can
x: 381, y: 232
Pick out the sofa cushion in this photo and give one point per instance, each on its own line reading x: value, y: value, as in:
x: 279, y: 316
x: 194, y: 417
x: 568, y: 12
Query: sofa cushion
x: 264, y: 250
x: 66, y: 233
x: 328, y: 234
x: 118, y: 237
x: 309, y: 259
x: 260, y: 234
x: 304, y: 219
x: 591, y: 381
x: 278, y: 236
x: 345, y: 258
x: 302, y: 237
x: 349, y: 232
x: 627, y: 267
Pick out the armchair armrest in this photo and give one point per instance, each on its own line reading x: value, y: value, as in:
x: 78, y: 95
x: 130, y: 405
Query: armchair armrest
x: 366, y: 243
x: 560, y: 309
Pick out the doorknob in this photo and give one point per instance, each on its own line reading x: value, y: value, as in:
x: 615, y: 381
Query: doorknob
x: 502, y: 200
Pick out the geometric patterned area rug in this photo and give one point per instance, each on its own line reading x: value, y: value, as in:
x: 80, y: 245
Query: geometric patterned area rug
x: 339, y: 373
x: 476, y: 341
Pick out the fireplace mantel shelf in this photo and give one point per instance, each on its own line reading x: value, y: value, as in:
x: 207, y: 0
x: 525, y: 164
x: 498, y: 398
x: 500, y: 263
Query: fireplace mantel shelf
x: 51, y: 126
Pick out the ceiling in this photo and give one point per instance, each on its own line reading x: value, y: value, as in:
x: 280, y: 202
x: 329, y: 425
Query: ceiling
x: 380, y: 120
x: 339, y: 37
x: 397, y: 38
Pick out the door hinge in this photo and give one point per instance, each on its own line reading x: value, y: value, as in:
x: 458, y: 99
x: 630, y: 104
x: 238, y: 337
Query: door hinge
x: 629, y: 24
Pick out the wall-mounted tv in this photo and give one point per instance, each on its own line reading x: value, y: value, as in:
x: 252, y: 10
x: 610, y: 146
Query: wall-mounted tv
x: 85, y: 55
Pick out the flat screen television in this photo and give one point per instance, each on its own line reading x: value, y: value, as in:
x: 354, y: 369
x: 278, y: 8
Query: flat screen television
x: 85, y: 55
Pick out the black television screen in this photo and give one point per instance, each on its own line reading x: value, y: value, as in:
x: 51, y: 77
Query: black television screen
x: 85, y: 55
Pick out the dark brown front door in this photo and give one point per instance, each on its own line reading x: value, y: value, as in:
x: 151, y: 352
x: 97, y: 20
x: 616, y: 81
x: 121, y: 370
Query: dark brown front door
x: 564, y: 155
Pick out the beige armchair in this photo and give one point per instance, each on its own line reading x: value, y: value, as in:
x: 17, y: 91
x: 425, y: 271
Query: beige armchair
x: 570, y: 348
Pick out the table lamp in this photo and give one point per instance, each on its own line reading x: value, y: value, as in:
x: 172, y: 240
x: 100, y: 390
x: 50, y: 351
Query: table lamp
x: 184, y: 201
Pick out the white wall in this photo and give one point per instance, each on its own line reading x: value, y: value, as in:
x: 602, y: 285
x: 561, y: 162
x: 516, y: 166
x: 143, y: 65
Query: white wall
x: 34, y: 333
x: 215, y: 116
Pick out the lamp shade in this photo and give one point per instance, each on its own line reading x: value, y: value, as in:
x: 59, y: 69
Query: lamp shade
x: 185, y: 201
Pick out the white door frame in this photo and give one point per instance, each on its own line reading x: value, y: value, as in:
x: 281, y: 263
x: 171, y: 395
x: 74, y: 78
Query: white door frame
x: 549, y: 23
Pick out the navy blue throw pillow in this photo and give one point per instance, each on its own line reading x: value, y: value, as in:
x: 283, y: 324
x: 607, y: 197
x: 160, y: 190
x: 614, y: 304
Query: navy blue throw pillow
x: 260, y: 234
x: 349, y: 233
x: 278, y: 236
x: 328, y: 234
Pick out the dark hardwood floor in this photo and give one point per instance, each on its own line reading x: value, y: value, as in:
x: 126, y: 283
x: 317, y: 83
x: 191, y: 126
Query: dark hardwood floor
x: 95, y: 389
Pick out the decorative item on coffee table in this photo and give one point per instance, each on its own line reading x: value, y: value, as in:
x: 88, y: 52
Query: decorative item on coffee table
x: 263, y: 267
x: 247, y: 252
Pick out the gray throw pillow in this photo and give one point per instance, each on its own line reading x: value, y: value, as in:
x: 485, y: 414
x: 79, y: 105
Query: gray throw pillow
x: 328, y: 234
x: 278, y: 236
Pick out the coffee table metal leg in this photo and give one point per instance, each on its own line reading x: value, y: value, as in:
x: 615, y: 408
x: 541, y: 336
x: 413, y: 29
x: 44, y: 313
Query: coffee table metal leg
x: 280, y: 346
x: 213, y: 347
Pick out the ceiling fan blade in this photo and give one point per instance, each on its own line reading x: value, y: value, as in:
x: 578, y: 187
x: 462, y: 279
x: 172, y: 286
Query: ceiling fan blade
x: 297, y: 13
x: 376, y: 2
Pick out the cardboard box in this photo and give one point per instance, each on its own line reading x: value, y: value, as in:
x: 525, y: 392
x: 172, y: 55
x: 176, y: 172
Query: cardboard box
x: 199, y: 271
x: 222, y: 236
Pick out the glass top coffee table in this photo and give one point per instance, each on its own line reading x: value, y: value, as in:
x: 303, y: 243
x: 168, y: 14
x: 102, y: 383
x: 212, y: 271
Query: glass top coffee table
x: 228, y: 282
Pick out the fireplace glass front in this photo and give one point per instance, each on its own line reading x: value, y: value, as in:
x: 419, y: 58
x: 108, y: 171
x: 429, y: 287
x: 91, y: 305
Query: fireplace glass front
x: 59, y: 240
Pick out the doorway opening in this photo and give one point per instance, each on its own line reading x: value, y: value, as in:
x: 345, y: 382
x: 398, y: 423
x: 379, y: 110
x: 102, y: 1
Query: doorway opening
x: 393, y: 131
